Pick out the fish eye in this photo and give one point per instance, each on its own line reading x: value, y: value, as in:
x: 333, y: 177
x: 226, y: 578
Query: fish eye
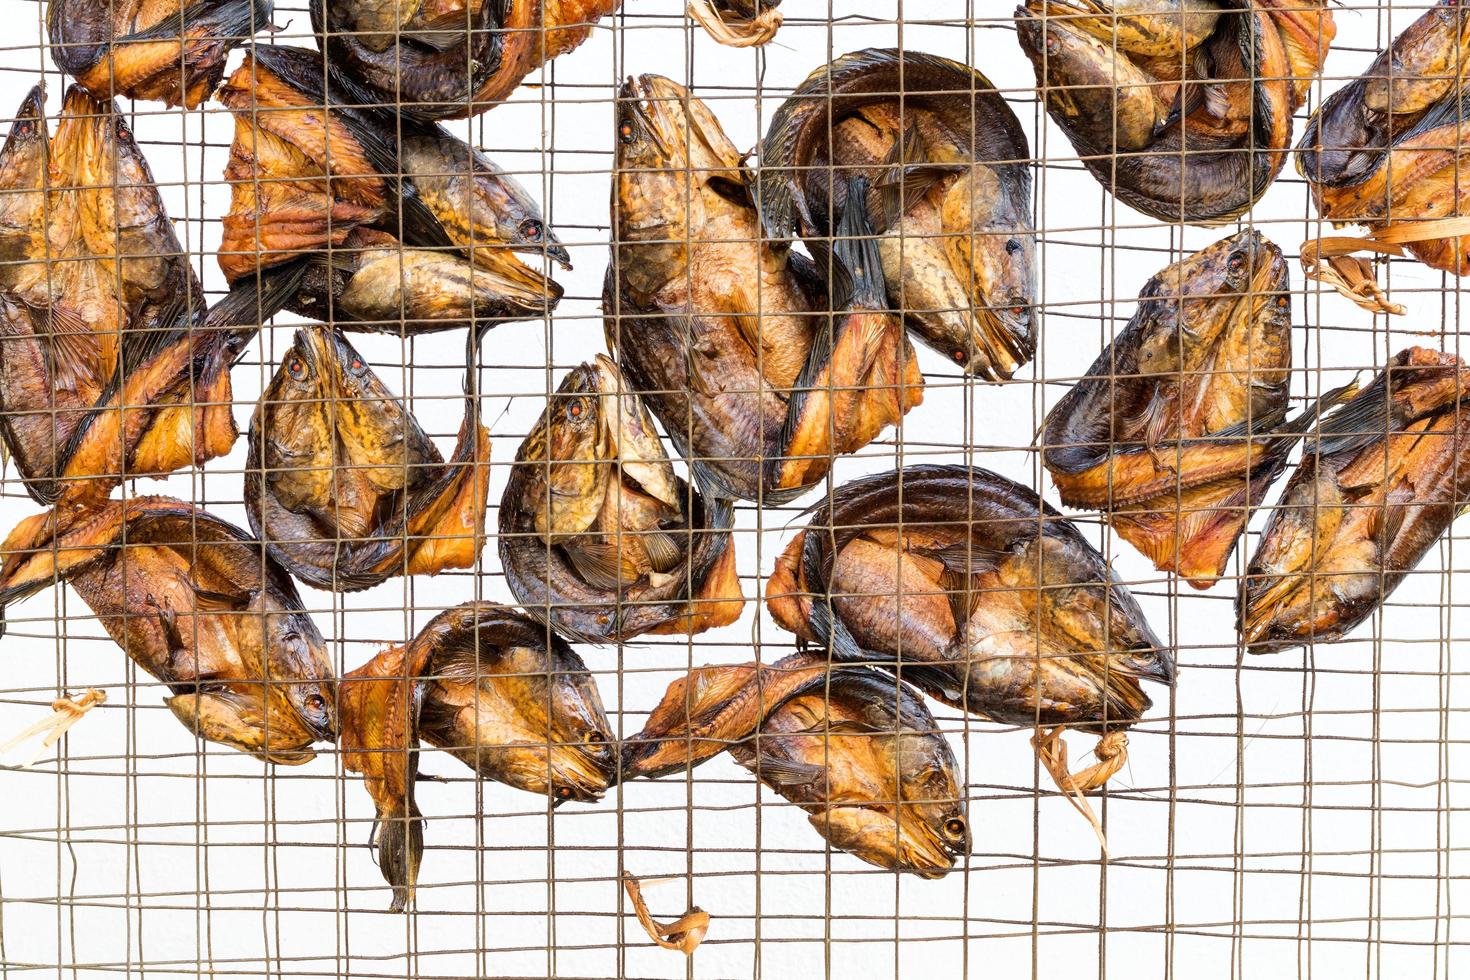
x: 315, y: 702
x: 627, y: 131
x: 577, y: 409
x: 1282, y: 302
x: 296, y: 368
x: 564, y: 793
x: 1013, y: 246
x: 1237, y: 261
x: 954, y: 827
x: 357, y: 366
x: 531, y: 230
x: 960, y: 357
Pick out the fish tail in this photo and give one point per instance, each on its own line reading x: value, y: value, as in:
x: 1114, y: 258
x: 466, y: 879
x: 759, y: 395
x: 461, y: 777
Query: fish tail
x: 858, y: 269
x: 400, y: 849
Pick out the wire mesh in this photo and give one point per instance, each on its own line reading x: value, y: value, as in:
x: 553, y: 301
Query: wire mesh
x: 1285, y: 815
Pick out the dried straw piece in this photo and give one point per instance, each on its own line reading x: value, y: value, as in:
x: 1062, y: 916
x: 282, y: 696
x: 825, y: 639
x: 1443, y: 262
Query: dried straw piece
x: 1111, y: 752
x: 684, y: 933
x: 1329, y: 260
x: 64, y: 714
x: 735, y: 32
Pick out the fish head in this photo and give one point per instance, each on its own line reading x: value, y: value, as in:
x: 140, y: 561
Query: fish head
x: 281, y: 646
x: 630, y: 431
x: 368, y: 415
x: 582, y: 750
x: 1422, y: 64
x: 1074, y: 59
x: 298, y: 401
x: 662, y: 127
x: 568, y: 455
x: 930, y: 795
x: 516, y: 215
x: 999, y: 255
x: 23, y: 162
x: 1151, y: 28
x: 884, y: 837
x: 243, y: 719
x: 1212, y: 297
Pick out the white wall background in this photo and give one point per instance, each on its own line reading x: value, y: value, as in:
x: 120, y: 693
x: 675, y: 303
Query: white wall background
x: 1286, y: 816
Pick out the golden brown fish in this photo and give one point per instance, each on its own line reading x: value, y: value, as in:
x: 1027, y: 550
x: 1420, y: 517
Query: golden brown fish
x: 1182, y: 108
x: 447, y: 59
x: 950, y: 198
x: 969, y: 586
x: 1387, y: 478
x: 194, y: 602
x: 717, y: 327
x: 482, y: 683
x: 343, y: 485
x: 596, y: 528
x: 1176, y: 433
x: 173, y: 50
x: 305, y: 179
x: 1386, y: 150
x: 857, y: 750
x: 90, y: 267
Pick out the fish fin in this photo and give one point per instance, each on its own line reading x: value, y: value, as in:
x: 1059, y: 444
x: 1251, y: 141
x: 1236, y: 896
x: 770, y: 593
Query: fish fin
x: 208, y: 600
x: 784, y: 772
x: 857, y: 274
x: 964, y: 558
x: 664, y: 553
x: 597, y: 564
x: 75, y: 348
x: 908, y: 177
x: 1361, y: 421
x: 1153, y: 419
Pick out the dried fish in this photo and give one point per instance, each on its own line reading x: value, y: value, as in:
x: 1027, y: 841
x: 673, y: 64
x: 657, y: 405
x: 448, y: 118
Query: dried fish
x: 445, y: 59
x: 1387, y: 477
x: 969, y: 586
x: 1182, y: 108
x: 1178, y: 429
x: 949, y: 194
x: 313, y: 171
x: 342, y: 484
x: 718, y: 329
x: 598, y: 537
x: 194, y: 602
x: 498, y: 691
x: 173, y: 50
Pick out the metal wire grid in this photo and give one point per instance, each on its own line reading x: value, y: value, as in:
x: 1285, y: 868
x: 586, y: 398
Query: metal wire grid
x: 1289, y: 815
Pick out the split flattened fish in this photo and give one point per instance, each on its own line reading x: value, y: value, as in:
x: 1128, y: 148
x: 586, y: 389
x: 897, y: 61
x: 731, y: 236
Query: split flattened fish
x: 1176, y: 433
x: 597, y: 529
x: 970, y: 587
x: 1386, y: 150
x: 173, y: 50
x: 480, y: 682
x: 1386, y: 479
x: 1182, y: 108
x: 338, y: 182
x: 342, y: 484
x: 950, y: 194
x: 447, y: 59
x: 719, y: 329
x: 194, y: 602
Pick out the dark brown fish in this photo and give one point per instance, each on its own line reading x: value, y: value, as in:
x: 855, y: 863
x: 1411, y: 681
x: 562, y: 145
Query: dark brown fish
x: 307, y: 179
x: 1384, y: 150
x: 1182, y: 108
x: 342, y: 484
x: 856, y: 749
x: 196, y: 603
x: 482, y: 683
x: 173, y: 50
x: 1176, y: 432
x: 1387, y: 478
x: 717, y: 328
x: 950, y: 198
x: 447, y: 59
x: 597, y: 532
x: 974, y: 589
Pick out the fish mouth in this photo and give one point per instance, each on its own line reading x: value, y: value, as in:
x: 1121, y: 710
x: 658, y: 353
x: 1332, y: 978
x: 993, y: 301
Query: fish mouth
x: 516, y: 281
x: 580, y: 775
